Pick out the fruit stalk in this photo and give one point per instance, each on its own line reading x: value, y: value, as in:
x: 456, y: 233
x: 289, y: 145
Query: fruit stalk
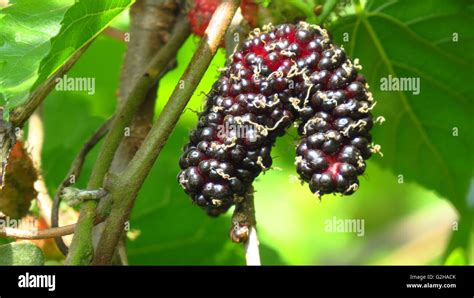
x: 243, y: 230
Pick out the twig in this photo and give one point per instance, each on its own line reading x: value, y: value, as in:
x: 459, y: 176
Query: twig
x: 124, y: 187
x: 74, y: 173
x: 20, y: 114
x: 243, y: 228
x: 81, y: 249
x: 74, y: 196
x: 40, y: 234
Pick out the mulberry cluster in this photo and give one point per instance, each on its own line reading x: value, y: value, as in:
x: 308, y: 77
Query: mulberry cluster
x: 281, y: 75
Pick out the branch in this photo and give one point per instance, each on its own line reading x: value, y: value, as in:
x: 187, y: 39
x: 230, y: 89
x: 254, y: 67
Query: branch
x: 74, y: 196
x: 20, y: 114
x: 81, y: 247
x: 151, y: 23
x: 124, y: 187
x: 40, y: 234
x: 72, y: 175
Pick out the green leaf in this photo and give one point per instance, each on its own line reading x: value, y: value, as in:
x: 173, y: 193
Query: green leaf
x: 38, y: 37
x: 427, y: 137
x: 21, y: 253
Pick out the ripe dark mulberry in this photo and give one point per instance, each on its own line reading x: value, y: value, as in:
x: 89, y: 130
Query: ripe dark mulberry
x: 282, y: 74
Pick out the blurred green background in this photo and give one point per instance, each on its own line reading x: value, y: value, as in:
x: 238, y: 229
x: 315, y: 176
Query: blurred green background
x: 405, y: 223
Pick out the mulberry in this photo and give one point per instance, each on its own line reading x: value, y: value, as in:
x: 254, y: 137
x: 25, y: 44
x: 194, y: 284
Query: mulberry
x: 282, y: 74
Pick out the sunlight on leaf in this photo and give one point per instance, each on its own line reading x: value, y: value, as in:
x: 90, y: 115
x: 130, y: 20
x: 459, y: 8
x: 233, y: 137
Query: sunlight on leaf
x: 37, y: 37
